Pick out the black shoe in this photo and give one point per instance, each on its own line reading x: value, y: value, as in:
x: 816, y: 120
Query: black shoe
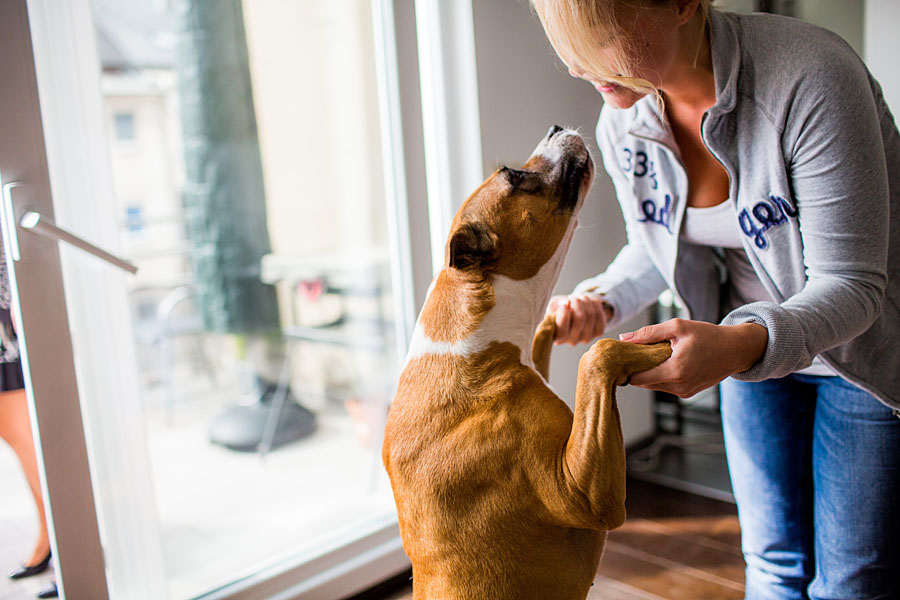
x: 49, y: 591
x: 25, y: 571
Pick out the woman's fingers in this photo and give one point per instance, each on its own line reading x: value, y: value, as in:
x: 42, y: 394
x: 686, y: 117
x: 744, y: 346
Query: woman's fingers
x: 597, y: 323
x: 555, y: 301
x: 573, y: 318
x: 579, y: 318
x: 563, y: 320
x: 658, y: 375
x: 576, y: 329
x: 554, y: 307
x: 659, y: 332
x: 588, y: 319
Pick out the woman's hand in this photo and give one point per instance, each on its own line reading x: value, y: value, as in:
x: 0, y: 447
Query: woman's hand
x: 579, y: 317
x: 703, y: 354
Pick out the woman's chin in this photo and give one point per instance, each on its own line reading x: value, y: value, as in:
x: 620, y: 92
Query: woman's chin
x: 621, y: 97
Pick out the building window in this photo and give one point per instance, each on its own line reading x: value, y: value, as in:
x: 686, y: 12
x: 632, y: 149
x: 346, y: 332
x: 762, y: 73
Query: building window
x: 124, y: 123
x: 133, y: 219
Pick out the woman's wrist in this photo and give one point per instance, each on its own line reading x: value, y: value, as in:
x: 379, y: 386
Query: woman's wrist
x: 750, y: 341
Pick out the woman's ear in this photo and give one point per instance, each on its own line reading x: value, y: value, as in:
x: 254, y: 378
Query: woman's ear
x: 473, y: 245
x: 685, y: 9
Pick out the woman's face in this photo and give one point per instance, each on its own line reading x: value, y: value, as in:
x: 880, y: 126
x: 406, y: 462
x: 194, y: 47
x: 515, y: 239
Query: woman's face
x: 614, y: 94
x: 652, y: 46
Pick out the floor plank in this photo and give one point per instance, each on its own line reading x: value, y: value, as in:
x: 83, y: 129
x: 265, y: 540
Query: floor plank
x: 666, y: 579
x: 670, y: 545
x: 690, y: 514
x: 606, y: 588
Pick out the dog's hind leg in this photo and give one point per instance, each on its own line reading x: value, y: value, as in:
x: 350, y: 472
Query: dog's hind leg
x: 542, y: 345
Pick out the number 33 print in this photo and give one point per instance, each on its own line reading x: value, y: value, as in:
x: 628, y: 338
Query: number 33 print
x: 640, y: 164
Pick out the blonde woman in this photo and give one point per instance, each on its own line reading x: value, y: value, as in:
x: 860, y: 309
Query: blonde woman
x: 758, y: 170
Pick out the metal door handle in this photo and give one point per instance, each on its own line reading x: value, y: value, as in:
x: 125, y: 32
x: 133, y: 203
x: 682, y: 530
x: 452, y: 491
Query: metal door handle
x: 38, y: 223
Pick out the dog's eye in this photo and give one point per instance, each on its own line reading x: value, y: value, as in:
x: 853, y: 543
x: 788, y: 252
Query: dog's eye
x: 515, y: 177
x: 523, y: 180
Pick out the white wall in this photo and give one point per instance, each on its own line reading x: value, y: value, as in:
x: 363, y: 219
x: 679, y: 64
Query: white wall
x: 844, y: 17
x: 881, y: 46
x: 523, y: 90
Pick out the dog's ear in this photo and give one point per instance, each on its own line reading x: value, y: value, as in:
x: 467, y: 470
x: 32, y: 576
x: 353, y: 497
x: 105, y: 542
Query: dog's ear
x: 472, y: 245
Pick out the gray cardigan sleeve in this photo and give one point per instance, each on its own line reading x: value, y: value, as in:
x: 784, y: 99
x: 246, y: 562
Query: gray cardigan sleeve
x: 631, y: 282
x: 832, y: 144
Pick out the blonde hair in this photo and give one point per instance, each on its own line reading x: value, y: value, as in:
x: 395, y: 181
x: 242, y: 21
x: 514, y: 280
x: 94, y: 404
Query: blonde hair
x: 577, y: 28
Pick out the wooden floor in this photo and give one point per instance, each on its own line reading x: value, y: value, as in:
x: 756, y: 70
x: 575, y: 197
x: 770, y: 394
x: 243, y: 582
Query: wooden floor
x: 673, y: 545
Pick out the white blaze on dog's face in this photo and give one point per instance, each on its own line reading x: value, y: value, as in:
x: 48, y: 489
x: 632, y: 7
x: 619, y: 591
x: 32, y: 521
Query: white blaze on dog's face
x: 505, y: 251
x: 517, y: 219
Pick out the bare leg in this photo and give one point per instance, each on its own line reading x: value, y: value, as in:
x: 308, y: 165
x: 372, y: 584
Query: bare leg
x: 15, y: 428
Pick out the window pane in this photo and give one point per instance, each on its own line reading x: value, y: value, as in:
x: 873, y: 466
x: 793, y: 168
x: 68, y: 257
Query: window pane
x: 251, y: 196
x: 124, y: 124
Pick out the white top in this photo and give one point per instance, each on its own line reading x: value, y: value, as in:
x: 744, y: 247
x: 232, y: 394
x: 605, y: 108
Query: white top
x: 714, y: 226
x: 717, y: 226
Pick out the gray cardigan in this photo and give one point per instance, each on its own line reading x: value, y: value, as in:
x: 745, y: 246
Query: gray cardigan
x: 813, y: 157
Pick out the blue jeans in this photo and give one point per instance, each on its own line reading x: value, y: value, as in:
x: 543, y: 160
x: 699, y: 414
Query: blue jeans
x: 815, y: 467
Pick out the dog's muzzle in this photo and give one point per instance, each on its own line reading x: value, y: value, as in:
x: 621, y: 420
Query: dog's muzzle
x: 573, y: 161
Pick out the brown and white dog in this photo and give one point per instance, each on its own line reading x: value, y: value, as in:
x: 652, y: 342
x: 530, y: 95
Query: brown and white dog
x: 502, y: 492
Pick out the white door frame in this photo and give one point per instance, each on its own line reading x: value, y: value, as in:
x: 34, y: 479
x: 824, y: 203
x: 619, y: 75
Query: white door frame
x: 47, y: 354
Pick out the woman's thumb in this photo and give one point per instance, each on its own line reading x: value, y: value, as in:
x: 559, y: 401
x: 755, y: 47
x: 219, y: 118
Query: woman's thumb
x: 554, y: 303
x: 645, y: 335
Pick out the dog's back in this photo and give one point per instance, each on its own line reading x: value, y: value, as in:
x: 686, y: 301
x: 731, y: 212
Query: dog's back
x: 465, y: 454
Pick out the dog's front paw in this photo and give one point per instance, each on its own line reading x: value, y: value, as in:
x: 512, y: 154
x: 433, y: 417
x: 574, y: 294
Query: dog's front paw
x: 623, y: 359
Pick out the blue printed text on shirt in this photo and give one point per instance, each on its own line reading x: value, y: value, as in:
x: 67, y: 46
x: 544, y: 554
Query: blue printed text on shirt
x: 660, y: 215
x: 640, y: 164
x: 764, y: 216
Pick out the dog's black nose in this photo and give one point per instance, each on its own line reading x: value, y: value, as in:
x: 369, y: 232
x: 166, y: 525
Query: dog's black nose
x: 553, y: 131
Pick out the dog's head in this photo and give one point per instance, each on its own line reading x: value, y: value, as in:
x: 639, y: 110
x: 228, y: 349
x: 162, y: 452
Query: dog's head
x: 517, y: 220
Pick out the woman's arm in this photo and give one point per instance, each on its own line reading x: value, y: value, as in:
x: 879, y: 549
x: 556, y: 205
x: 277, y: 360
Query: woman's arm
x: 832, y: 143
x: 630, y: 283
x: 835, y: 158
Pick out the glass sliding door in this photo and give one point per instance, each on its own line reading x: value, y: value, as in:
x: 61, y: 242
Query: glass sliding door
x: 246, y: 157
